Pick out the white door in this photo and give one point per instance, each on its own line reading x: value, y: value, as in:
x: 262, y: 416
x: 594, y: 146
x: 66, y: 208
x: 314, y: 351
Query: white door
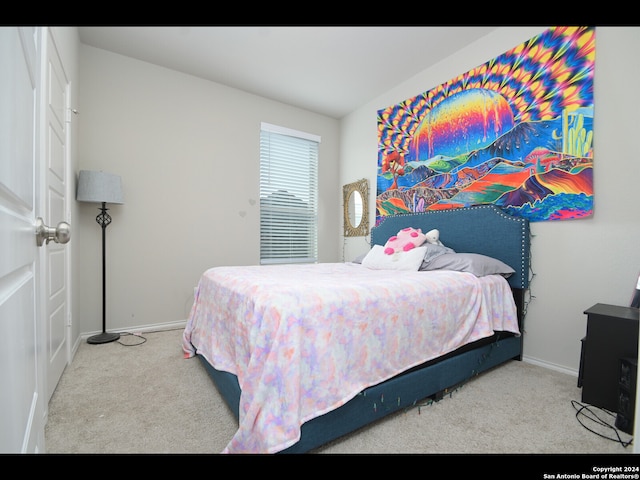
x: 56, y: 113
x: 23, y: 399
x: 26, y: 280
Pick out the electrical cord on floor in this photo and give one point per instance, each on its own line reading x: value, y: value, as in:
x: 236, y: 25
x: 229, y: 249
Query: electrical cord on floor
x: 588, y: 412
x: 139, y: 335
x: 128, y: 334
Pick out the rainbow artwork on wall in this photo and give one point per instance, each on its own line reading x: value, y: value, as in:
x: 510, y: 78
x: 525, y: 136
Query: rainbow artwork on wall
x: 515, y: 132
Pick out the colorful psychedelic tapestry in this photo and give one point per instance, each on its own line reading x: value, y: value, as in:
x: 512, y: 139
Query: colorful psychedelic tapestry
x: 515, y: 132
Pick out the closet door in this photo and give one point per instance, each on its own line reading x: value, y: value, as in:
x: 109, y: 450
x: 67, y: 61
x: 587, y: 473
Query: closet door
x: 56, y: 179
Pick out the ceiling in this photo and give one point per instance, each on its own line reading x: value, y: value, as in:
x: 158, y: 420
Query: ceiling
x: 330, y: 70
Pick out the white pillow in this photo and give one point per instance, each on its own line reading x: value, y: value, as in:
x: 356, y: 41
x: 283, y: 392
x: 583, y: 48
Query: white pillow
x: 376, y: 259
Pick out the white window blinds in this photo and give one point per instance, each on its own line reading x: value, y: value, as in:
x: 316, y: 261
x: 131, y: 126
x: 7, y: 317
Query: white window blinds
x: 288, y: 195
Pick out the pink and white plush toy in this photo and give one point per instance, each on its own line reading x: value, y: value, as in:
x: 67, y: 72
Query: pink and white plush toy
x: 433, y: 237
x: 406, y: 239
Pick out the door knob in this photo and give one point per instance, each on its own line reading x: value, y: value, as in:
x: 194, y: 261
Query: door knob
x: 60, y: 234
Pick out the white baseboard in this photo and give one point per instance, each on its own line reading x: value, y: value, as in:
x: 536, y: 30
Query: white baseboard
x: 156, y: 327
x: 552, y: 366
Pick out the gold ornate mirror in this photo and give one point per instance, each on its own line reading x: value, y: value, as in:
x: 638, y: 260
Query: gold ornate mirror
x: 356, y: 208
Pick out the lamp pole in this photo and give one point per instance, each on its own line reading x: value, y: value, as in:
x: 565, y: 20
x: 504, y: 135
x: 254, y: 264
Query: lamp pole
x: 104, y: 219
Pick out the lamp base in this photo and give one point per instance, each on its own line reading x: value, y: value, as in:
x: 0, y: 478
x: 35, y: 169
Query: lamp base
x: 104, y: 337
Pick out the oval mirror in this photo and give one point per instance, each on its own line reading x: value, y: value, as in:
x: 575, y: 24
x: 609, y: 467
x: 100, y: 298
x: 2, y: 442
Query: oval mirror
x: 356, y: 214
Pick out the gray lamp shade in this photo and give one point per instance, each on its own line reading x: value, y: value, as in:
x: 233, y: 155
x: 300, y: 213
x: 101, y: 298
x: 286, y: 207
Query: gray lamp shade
x: 99, y: 187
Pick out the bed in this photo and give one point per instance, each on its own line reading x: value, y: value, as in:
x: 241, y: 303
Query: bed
x: 304, y: 354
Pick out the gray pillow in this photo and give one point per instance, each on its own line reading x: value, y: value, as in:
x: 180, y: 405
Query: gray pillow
x: 479, y: 265
x: 433, y: 251
x: 360, y: 257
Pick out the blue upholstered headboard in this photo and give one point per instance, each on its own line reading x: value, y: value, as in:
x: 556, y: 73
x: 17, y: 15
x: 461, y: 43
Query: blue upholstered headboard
x: 484, y: 229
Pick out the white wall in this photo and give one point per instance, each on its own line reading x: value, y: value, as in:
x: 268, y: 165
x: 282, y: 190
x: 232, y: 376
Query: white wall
x: 188, y: 154
x: 187, y: 151
x: 577, y: 263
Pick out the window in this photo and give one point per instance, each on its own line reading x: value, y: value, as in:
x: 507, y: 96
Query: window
x: 288, y: 195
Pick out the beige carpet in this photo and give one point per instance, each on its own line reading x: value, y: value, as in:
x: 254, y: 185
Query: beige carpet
x: 146, y: 398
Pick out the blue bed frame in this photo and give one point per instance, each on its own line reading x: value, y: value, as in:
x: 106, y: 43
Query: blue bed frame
x: 482, y: 229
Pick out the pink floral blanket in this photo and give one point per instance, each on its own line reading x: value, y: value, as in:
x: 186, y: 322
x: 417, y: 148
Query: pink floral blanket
x: 305, y: 339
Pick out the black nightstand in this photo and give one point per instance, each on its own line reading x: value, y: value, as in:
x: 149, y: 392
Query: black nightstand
x: 612, y: 335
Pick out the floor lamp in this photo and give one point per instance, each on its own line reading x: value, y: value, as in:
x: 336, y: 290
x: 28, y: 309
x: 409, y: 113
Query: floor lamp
x: 100, y: 187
